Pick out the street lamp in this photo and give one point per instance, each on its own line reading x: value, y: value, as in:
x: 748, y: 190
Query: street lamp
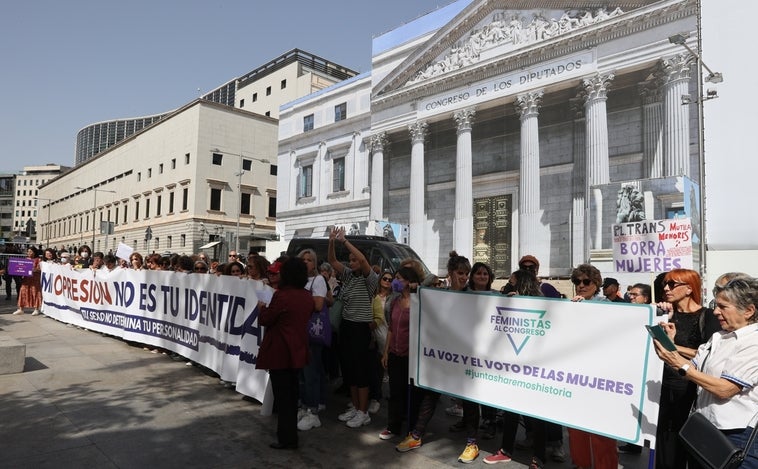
x: 47, y: 222
x: 239, y: 188
x: 94, y: 209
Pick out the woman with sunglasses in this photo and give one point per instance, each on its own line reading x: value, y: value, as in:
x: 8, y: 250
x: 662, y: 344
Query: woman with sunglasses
x: 694, y: 325
x: 587, y: 449
x: 726, y: 367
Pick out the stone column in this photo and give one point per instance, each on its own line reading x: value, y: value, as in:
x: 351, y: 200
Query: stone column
x: 652, y: 129
x: 598, y: 164
x: 418, y: 132
x: 529, y: 227
x: 579, y: 198
x: 377, y: 143
x: 463, y: 225
x: 676, y: 126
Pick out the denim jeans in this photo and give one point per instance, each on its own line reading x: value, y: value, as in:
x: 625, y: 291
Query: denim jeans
x: 314, y: 378
x: 740, y: 440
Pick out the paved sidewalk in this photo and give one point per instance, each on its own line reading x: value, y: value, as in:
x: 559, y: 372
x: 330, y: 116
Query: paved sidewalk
x: 86, y: 400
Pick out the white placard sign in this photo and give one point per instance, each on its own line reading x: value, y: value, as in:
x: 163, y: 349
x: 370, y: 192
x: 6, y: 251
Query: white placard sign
x: 652, y: 245
x: 587, y: 365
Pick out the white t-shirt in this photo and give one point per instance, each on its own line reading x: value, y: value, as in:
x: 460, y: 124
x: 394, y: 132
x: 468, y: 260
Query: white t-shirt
x: 316, y: 285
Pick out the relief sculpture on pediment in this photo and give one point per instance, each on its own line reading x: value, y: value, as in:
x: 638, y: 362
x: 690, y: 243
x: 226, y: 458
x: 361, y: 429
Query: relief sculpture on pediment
x: 514, y: 29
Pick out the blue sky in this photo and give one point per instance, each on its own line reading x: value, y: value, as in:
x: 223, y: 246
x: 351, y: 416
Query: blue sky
x: 67, y: 64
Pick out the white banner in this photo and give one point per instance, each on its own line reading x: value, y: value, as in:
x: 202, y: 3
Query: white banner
x: 652, y: 245
x: 208, y: 319
x: 587, y: 365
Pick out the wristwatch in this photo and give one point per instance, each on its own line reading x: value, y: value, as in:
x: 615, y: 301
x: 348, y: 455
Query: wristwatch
x: 683, y: 369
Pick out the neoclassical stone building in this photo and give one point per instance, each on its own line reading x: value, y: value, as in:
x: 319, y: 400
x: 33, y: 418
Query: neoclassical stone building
x: 499, y: 128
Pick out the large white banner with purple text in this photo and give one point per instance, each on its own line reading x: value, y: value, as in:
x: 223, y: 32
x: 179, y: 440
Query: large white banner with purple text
x: 587, y: 365
x: 207, y: 319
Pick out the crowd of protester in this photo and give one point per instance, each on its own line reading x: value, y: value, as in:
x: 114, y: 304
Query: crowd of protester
x: 713, y: 371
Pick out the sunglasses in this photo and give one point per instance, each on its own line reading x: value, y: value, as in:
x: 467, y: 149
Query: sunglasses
x: 584, y: 281
x: 673, y: 284
x: 387, y: 279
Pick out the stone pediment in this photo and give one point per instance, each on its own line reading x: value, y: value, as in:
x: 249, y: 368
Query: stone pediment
x: 493, y: 28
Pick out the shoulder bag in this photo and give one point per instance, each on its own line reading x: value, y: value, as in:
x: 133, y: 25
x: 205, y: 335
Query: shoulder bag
x: 710, y: 446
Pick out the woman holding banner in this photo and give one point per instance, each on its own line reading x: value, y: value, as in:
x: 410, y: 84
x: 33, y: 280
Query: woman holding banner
x: 587, y: 449
x: 284, y: 350
x: 30, y: 295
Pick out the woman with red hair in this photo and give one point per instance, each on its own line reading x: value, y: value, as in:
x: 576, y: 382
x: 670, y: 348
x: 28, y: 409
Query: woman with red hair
x: 695, y: 324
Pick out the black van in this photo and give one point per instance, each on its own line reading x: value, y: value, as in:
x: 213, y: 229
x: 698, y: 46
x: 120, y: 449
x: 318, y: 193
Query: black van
x: 377, y: 249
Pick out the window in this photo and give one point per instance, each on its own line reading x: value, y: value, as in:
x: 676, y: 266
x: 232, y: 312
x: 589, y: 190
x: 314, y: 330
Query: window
x: 215, y: 199
x: 217, y: 159
x: 126, y: 217
x: 173, y: 163
x: 149, y: 172
x: 247, y: 165
x: 169, y: 240
x: 158, y: 206
x: 305, y: 185
x: 186, y: 158
x: 268, y: 91
x: 242, y: 103
x: 136, y: 210
x: 245, y: 203
x: 160, y: 168
x: 171, y: 202
x: 183, y: 240
x: 340, y: 112
x: 284, y: 84
x: 308, y: 123
x: 115, y: 219
x: 185, y: 198
x: 139, y: 177
x: 147, y: 208
x: 268, y: 114
x: 255, y: 97
x: 272, y: 170
x: 338, y: 175
x: 272, y: 207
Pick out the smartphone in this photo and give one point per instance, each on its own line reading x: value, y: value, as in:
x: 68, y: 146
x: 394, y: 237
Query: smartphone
x: 657, y: 332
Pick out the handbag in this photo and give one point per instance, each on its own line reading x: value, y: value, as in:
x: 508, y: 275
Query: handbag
x: 709, y: 446
x: 320, y: 326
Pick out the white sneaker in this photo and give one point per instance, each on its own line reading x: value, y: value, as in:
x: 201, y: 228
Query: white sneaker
x: 35, y: 312
x: 347, y: 415
x: 309, y: 420
x: 360, y: 419
x: 18, y: 311
x: 302, y: 412
x: 373, y: 406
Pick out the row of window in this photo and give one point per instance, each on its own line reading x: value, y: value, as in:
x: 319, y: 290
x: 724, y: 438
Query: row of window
x: 160, y: 167
x: 22, y: 193
x: 23, y: 182
x: 245, y: 203
x: 247, y: 164
x: 305, y: 178
x: 340, y: 114
x: 282, y: 85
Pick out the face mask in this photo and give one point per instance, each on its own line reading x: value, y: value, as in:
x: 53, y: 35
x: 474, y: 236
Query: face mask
x: 84, y: 254
x: 397, y: 285
x: 64, y: 260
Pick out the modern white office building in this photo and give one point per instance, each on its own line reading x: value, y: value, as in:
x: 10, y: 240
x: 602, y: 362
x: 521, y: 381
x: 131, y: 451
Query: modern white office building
x: 504, y: 128
x: 27, y: 202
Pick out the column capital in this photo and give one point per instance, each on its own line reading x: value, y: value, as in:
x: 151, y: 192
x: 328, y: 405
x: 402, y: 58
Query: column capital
x: 378, y: 141
x: 464, y: 119
x: 677, y: 67
x: 527, y: 104
x: 418, y: 131
x: 597, y: 86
